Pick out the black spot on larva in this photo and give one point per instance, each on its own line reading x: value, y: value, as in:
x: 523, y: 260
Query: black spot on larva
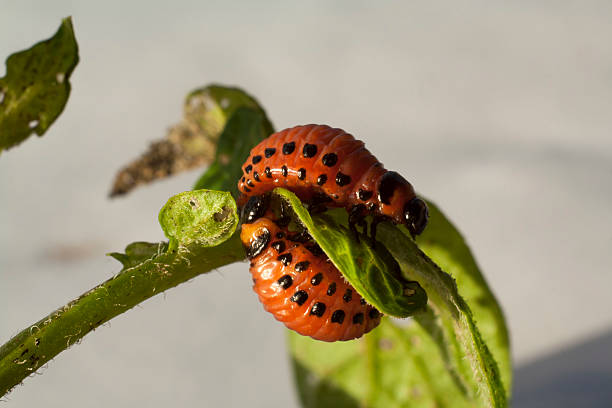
x: 280, y: 235
x: 309, y: 150
x: 374, y: 313
x: 342, y: 179
x: 284, y: 171
x: 246, y: 189
x: 348, y: 295
x: 389, y: 182
x: 331, y: 289
x: 316, y: 279
x: 285, y: 282
x: 364, y: 195
x: 362, y: 301
x: 358, y: 318
x: 256, y: 176
x: 372, y: 207
x: 338, y: 316
x: 268, y: 172
x: 243, y: 179
x: 315, y: 249
x: 255, y: 208
x: 302, y: 266
x: 256, y: 159
x: 283, y: 221
x: 330, y: 159
x: 279, y: 246
x: 285, y: 259
x: 318, y: 309
x: 302, y: 236
x: 258, y: 245
x: 302, y: 173
x: 320, y: 198
x: 288, y: 148
x: 322, y: 179
x: 250, y: 183
x: 299, y: 297
x: 248, y: 169
x: 269, y: 152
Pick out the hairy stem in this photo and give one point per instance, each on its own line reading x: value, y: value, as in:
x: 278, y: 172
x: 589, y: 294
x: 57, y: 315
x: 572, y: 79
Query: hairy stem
x: 43, y: 340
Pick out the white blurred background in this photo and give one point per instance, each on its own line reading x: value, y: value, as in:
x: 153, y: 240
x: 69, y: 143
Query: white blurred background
x: 501, y: 113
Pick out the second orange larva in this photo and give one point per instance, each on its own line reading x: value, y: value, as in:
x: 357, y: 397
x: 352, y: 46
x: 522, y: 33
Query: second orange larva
x: 300, y: 286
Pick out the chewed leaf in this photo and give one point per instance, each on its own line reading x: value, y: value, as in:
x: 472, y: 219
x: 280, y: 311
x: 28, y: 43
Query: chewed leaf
x: 36, y: 88
x: 204, y: 217
x: 373, y: 273
x: 190, y: 143
x: 245, y: 129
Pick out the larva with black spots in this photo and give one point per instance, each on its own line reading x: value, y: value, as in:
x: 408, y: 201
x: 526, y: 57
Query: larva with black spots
x: 300, y: 286
x: 328, y: 167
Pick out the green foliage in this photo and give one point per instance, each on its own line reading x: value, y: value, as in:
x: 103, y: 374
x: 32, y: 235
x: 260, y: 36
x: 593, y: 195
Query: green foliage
x: 244, y: 129
x: 148, y: 269
x: 211, y: 107
x: 440, y: 361
x: 373, y: 273
x: 442, y: 242
x: 35, y: 89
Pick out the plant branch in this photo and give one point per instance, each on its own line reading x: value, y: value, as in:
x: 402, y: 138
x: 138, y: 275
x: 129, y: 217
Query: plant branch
x: 43, y: 340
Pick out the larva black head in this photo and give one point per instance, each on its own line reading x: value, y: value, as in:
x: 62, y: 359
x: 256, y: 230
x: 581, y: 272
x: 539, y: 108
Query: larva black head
x: 255, y: 208
x: 416, y: 215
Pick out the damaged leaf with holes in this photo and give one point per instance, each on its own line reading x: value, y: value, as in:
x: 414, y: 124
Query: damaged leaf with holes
x: 190, y: 143
x: 35, y: 89
x: 204, y: 217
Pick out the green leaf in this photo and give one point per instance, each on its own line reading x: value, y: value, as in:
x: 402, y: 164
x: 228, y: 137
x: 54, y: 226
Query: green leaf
x: 148, y: 269
x: 373, y: 273
x: 211, y: 107
x: 203, y: 217
x: 35, y: 89
x: 393, y: 366
x: 138, y: 252
x: 442, y: 242
x: 442, y: 360
x: 245, y: 129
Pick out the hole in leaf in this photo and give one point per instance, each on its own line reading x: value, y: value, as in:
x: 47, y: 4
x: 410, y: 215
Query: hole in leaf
x: 193, y: 203
x: 224, y: 159
x: 59, y: 77
x: 223, y: 214
x: 33, y: 123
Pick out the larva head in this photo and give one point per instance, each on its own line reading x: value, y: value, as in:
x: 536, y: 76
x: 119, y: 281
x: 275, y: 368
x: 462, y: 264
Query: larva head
x: 255, y: 208
x: 415, y: 216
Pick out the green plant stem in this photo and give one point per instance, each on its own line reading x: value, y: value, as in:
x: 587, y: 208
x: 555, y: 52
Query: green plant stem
x: 40, y: 342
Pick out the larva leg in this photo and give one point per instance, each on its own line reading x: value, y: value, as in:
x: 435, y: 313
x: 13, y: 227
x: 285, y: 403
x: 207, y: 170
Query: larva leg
x: 357, y: 217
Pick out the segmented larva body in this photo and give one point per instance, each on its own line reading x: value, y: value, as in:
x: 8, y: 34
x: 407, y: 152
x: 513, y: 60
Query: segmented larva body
x: 300, y: 286
x: 330, y: 167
